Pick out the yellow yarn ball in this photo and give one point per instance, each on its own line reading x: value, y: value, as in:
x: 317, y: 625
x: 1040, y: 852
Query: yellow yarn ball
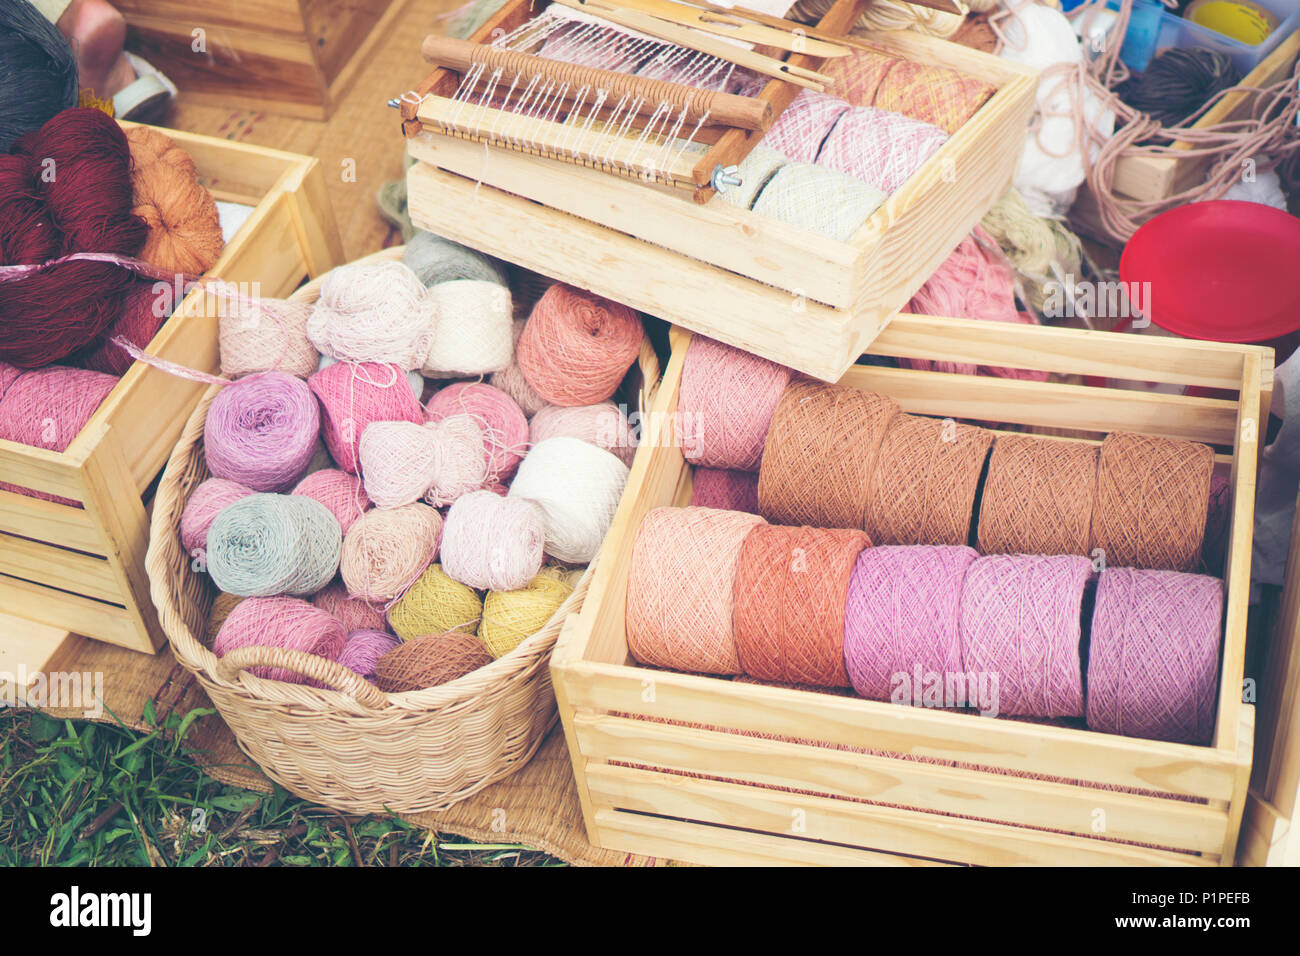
x: 222, y: 605
x: 435, y: 604
x: 511, y: 616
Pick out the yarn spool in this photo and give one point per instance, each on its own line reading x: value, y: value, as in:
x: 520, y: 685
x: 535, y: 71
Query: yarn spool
x: 880, y: 149
x: 725, y: 404
x: 284, y: 622
x: 901, y: 617
x: 415, y: 379
x: 387, y: 548
x: 463, y: 460
x: 202, y: 507
x: 266, y: 335
x: 578, y: 487
x: 803, y: 126
x: 222, y: 605
x: 511, y: 617
x: 681, y: 589
x: 1153, y: 662
x: 8, y: 375
x: 145, y: 309
x: 604, y: 425
x: 263, y: 545
x: 937, y: 95
x: 1151, y: 501
x: 926, y: 476
x: 354, y: 613
x: 818, y: 199
x: 474, y: 329
x: 261, y: 431
x: 430, y: 661
x: 511, y: 378
x: 434, y: 259
x: 754, y: 171
x: 1021, y: 620
x: 374, y: 312
x: 576, y: 347
x: 354, y: 395
x: 184, y: 226
x: 363, y: 650
x: 493, y: 543
x: 505, y: 428
x: 437, y: 461
x: 820, y: 453
x: 38, y: 72
x: 858, y: 75
x: 1038, y: 496
x: 433, y: 604
x: 338, y: 491
x: 1178, y: 82
x: 789, y: 595
x: 725, y: 488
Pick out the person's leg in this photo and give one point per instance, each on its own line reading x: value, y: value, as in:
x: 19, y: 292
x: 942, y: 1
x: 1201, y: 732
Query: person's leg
x: 97, y: 33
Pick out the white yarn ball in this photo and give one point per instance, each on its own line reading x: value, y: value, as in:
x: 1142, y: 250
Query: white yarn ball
x: 511, y: 379
x: 374, y: 313
x: 493, y: 543
x: 474, y: 329
x: 414, y: 377
x: 398, y: 462
x: 578, y: 487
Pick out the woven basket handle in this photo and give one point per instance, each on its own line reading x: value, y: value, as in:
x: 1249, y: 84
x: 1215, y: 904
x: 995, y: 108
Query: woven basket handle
x: 308, y: 665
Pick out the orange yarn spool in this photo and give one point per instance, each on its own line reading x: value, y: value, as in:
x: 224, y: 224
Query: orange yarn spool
x: 935, y: 94
x: 820, y: 453
x: 184, y: 226
x: 923, y: 489
x: 858, y: 76
x: 790, y: 591
x: 1038, y: 497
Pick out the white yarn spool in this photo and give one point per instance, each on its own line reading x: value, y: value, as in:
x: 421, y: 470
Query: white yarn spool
x: 414, y: 377
x: 603, y: 425
x: 259, y: 337
x: 511, y: 380
x: 578, y: 487
x: 493, y: 543
x: 474, y: 329
x: 374, y: 313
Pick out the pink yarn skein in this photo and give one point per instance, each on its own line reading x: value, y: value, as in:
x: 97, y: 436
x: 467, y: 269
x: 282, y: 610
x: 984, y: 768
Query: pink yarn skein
x: 203, y: 506
x: 603, y: 425
x: 505, y: 428
x: 285, y: 622
x: 338, y: 491
x: 725, y: 488
x: 353, y: 395
x: 261, y: 431
x: 354, y: 613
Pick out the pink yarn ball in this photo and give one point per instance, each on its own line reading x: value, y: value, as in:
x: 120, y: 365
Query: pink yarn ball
x: 603, y: 425
x: 353, y: 395
x: 203, y: 506
x: 285, y: 622
x: 354, y: 613
x: 493, y: 543
x: 364, y: 648
x: 261, y: 431
x: 144, y: 311
x: 725, y: 488
x: 505, y: 429
x: 338, y: 491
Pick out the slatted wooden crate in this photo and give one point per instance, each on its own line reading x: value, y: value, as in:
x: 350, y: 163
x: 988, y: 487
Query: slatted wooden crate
x: 80, y: 570
x: 673, y: 765
x: 785, y: 293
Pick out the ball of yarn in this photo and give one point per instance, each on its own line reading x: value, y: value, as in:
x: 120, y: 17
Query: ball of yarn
x: 435, y: 259
x: 604, y: 425
x: 202, y: 507
x: 577, y: 346
x: 354, y: 613
x: 269, y: 334
x: 433, y: 604
x: 1021, y: 620
x: 511, y: 617
x: 38, y: 72
x: 902, y: 615
x: 1151, y: 501
x: 415, y: 379
x: 184, y: 226
x: 1153, y: 659
x: 387, y: 548
x: 352, y: 396
x: 338, y: 491
x: 1178, y: 82
x: 261, y: 431
x: 263, y: 545
x: 923, y: 488
x: 789, y: 594
x: 284, y: 622
x: 430, y: 661
x: 363, y: 650
x: 725, y: 488
x: 493, y: 543
x: 880, y: 149
x: 145, y: 309
x: 858, y: 75
x: 374, y: 312
x: 820, y: 453
x: 754, y: 172
x: 578, y: 487
x: 505, y: 428
x: 938, y: 95
x: 511, y: 378
x: 819, y: 199
x: 802, y: 126
x: 399, y: 461
x: 680, y: 589
x: 1038, y: 496
x: 474, y: 329
x: 725, y: 404
x: 222, y: 605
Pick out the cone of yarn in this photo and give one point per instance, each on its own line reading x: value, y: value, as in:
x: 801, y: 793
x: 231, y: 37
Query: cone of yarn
x: 265, y: 544
x: 680, y: 589
x: 184, y: 226
x: 754, y: 171
x: 433, y: 604
x: 284, y: 622
x: 902, y: 614
x: 430, y: 661
x: 1151, y: 501
x: 880, y: 149
x: 435, y: 259
x: 202, y: 507
x: 269, y: 334
x: 857, y: 76
x: 402, y: 462
x: 222, y: 605
x: 1021, y: 619
x: 725, y: 404
x: 604, y: 425
x: 474, y: 334
x: 1153, y: 660
x: 351, y: 397
x: 493, y: 543
x: 801, y: 128
x: 789, y: 596
x: 374, y: 312
x: 933, y: 94
x: 578, y: 487
x: 725, y: 488
x: 576, y: 347
x: 511, y: 378
x: 354, y: 613
x: 1038, y: 496
x: 923, y: 488
x: 819, y: 199
x: 820, y: 453
x: 261, y: 431
x: 387, y: 548
x: 511, y: 617
x: 505, y: 427
x: 145, y: 309
x: 364, y: 649
x: 338, y: 491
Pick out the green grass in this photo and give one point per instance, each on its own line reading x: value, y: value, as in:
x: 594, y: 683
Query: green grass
x: 86, y: 794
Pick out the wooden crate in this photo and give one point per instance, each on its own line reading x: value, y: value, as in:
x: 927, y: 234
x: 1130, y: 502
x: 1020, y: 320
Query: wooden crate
x: 772, y: 801
x: 790, y: 295
x: 296, y: 57
x: 80, y: 570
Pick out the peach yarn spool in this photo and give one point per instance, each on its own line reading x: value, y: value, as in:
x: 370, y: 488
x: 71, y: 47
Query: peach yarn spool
x: 923, y: 488
x: 387, y: 548
x: 725, y: 488
x: 435, y: 603
x: 354, y: 613
x: 789, y: 594
x: 430, y: 661
x: 352, y: 396
x: 725, y: 404
x: 858, y: 75
x: 284, y: 622
x: 374, y: 312
x: 1038, y: 496
x: 493, y: 543
x: 578, y: 487
x: 576, y: 347
x: 511, y: 617
x: 511, y: 378
x: 505, y: 427
x: 265, y: 335
x: 474, y: 329
x: 680, y: 589
x: 935, y: 94
x: 820, y: 454
x: 338, y: 491
x: 1151, y: 501
x: 184, y: 226
x: 201, y: 509
x: 604, y: 425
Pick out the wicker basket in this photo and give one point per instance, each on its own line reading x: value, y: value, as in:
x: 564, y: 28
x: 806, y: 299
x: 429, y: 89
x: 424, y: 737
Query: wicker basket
x: 356, y: 748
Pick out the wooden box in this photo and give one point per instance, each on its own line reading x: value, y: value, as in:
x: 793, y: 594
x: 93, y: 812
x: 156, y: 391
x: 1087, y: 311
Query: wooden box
x: 650, y: 783
x: 80, y: 570
x: 782, y: 292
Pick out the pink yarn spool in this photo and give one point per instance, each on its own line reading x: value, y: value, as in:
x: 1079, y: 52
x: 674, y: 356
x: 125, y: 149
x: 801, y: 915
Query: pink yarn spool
x: 604, y: 425
x: 1021, y: 620
x: 354, y: 394
x: 364, y: 648
x: 203, y: 506
x: 800, y: 130
x: 261, y: 431
x: 338, y: 491
x: 725, y: 488
x: 511, y: 380
x: 901, y: 618
x: 725, y: 404
x: 1153, y: 659
x: 284, y: 622
x: 880, y: 149
x: 354, y: 613
x: 145, y: 308
x: 505, y: 429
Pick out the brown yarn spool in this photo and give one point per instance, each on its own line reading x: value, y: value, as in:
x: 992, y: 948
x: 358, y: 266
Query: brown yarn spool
x: 429, y: 661
x: 820, y: 453
x: 923, y: 489
x: 1151, y: 501
x: 1038, y: 497
x: 791, y: 585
